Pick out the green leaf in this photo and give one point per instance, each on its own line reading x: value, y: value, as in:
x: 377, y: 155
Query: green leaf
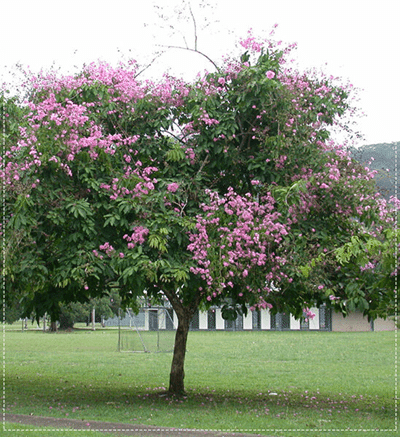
x: 228, y: 313
x: 176, y: 154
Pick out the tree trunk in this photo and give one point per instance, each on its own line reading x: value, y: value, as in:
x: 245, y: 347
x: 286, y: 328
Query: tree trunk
x: 177, y: 375
x: 185, y: 314
x: 53, y: 323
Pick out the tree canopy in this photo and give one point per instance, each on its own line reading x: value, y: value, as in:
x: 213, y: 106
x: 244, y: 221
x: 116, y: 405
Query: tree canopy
x: 222, y: 191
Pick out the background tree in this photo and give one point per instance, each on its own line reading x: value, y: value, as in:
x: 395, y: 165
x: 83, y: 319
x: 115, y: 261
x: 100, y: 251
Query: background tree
x: 225, y: 191
x: 74, y: 312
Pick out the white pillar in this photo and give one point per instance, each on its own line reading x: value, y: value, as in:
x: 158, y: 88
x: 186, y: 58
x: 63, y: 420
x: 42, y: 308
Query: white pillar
x: 294, y: 324
x: 219, y: 321
x: 248, y: 320
x: 162, y: 318
x: 314, y: 323
x: 146, y: 319
x: 203, y: 319
x: 265, y: 319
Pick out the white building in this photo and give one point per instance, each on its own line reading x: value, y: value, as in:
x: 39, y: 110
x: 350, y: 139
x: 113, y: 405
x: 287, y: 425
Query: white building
x: 325, y: 320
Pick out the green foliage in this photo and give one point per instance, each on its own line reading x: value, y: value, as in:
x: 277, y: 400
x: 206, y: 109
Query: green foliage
x: 367, y: 287
x: 75, y: 312
x: 12, y: 313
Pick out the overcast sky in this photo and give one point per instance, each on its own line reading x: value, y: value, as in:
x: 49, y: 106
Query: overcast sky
x: 359, y: 40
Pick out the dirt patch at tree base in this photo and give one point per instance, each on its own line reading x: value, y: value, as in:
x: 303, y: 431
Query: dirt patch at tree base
x: 117, y: 428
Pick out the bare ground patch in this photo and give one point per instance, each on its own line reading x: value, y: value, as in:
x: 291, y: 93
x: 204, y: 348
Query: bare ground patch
x: 117, y: 428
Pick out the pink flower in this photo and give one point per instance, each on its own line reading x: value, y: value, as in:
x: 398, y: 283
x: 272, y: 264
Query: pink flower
x: 121, y: 255
x: 172, y: 188
x: 221, y: 81
x: 309, y: 315
x: 137, y: 237
x: 324, y: 185
x: 270, y: 74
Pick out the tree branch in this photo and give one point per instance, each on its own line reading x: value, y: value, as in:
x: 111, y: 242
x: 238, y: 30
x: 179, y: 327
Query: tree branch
x: 195, y: 27
x: 167, y: 132
x: 195, y: 51
x: 175, y: 302
x: 203, y: 164
x: 149, y: 65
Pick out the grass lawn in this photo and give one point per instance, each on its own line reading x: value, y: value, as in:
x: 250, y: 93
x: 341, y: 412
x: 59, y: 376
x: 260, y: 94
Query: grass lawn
x: 271, y: 383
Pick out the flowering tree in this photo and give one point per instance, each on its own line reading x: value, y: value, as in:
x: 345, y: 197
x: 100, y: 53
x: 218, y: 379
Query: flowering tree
x: 225, y: 191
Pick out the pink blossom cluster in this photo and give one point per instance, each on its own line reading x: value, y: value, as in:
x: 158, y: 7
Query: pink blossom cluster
x: 190, y: 155
x: 308, y: 99
x: 107, y: 248
x: 368, y: 266
x: 308, y: 314
x: 145, y: 185
x: 137, y: 237
x: 254, y: 46
x: 261, y: 305
x: 394, y: 202
x: 205, y: 118
x: 333, y: 298
x: 246, y: 231
x: 173, y: 188
x: 280, y: 162
x: 250, y: 43
x: 338, y: 181
x: 71, y: 124
x: 121, y: 80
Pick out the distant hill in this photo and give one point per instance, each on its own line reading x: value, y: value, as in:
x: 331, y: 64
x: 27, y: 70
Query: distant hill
x: 384, y: 159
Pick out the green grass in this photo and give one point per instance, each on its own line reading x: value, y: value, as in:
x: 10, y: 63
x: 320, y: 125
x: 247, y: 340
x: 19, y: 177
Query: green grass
x: 261, y: 381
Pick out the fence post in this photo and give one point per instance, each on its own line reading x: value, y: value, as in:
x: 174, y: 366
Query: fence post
x: 93, y: 319
x: 119, y: 329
